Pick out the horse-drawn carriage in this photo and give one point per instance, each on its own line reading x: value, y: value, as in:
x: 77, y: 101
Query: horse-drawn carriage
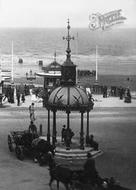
x: 24, y: 143
x: 72, y: 176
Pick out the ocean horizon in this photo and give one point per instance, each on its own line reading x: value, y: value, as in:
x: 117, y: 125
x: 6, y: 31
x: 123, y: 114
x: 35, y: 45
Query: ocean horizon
x: 116, y: 49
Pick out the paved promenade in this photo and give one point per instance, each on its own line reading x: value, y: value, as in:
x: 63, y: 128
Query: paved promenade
x: 111, y: 121
x: 112, y: 102
x: 99, y: 101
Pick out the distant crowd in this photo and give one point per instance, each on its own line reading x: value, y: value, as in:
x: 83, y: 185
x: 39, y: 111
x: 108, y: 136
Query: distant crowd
x: 17, y: 93
x: 121, y: 92
x: 24, y: 90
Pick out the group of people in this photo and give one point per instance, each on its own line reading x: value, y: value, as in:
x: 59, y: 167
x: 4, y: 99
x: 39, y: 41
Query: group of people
x: 21, y: 91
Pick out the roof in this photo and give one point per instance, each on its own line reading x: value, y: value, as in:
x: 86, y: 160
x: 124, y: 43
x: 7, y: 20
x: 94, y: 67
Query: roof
x: 54, y: 66
x: 69, y: 98
x: 49, y: 75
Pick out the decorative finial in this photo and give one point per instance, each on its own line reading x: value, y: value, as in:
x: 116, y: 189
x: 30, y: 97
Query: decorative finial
x: 68, y: 38
x: 68, y: 27
x: 55, y: 56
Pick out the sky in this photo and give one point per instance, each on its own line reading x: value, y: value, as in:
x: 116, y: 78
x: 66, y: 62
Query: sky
x: 54, y: 13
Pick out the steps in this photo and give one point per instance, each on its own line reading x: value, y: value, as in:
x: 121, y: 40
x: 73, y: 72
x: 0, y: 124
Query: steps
x: 75, y: 156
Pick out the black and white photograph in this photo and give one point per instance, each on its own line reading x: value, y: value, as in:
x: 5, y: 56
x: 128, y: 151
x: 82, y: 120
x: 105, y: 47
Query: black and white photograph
x: 67, y: 95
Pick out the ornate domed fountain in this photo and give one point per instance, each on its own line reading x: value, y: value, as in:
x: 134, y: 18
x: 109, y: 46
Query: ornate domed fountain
x: 69, y: 97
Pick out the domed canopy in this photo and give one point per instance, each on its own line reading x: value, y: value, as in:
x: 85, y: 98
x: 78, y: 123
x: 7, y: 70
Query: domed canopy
x: 69, y: 98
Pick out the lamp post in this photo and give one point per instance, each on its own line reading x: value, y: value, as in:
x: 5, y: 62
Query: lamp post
x: 31, y: 76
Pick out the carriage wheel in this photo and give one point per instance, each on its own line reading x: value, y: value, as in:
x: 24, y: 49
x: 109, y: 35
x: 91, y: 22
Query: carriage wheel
x: 19, y: 153
x: 11, y: 149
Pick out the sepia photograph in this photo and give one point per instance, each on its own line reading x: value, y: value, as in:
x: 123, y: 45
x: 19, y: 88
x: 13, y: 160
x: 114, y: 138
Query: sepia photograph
x: 67, y: 95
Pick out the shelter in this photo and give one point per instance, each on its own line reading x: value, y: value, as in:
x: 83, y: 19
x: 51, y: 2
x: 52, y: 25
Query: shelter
x: 51, y: 74
x: 68, y: 97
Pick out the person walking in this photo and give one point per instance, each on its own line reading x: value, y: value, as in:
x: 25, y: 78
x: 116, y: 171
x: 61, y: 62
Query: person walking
x: 18, y: 98
x: 31, y: 111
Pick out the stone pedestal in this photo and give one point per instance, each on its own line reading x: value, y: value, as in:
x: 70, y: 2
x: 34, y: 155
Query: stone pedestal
x: 74, y: 156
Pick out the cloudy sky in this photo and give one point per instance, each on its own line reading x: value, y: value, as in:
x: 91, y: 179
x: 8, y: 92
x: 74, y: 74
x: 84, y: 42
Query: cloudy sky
x: 54, y: 13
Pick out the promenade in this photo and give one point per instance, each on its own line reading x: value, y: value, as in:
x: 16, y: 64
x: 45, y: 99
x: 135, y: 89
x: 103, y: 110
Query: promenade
x: 99, y: 101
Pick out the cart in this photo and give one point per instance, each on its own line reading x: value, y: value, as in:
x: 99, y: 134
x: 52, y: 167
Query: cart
x: 20, y: 143
x: 24, y: 143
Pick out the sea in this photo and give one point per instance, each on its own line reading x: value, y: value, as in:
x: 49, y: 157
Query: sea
x: 116, y: 49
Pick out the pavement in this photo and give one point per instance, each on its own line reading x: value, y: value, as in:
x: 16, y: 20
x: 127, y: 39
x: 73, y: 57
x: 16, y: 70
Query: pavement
x: 99, y: 101
x: 28, y: 100
x: 114, y: 130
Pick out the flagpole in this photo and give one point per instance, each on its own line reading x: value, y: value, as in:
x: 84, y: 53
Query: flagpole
x: 76, y: 55
x: 12, y: 59
x: 0, y: 71
x: 77, y: 43
x: 96, y: 63
x: 0, y: 67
